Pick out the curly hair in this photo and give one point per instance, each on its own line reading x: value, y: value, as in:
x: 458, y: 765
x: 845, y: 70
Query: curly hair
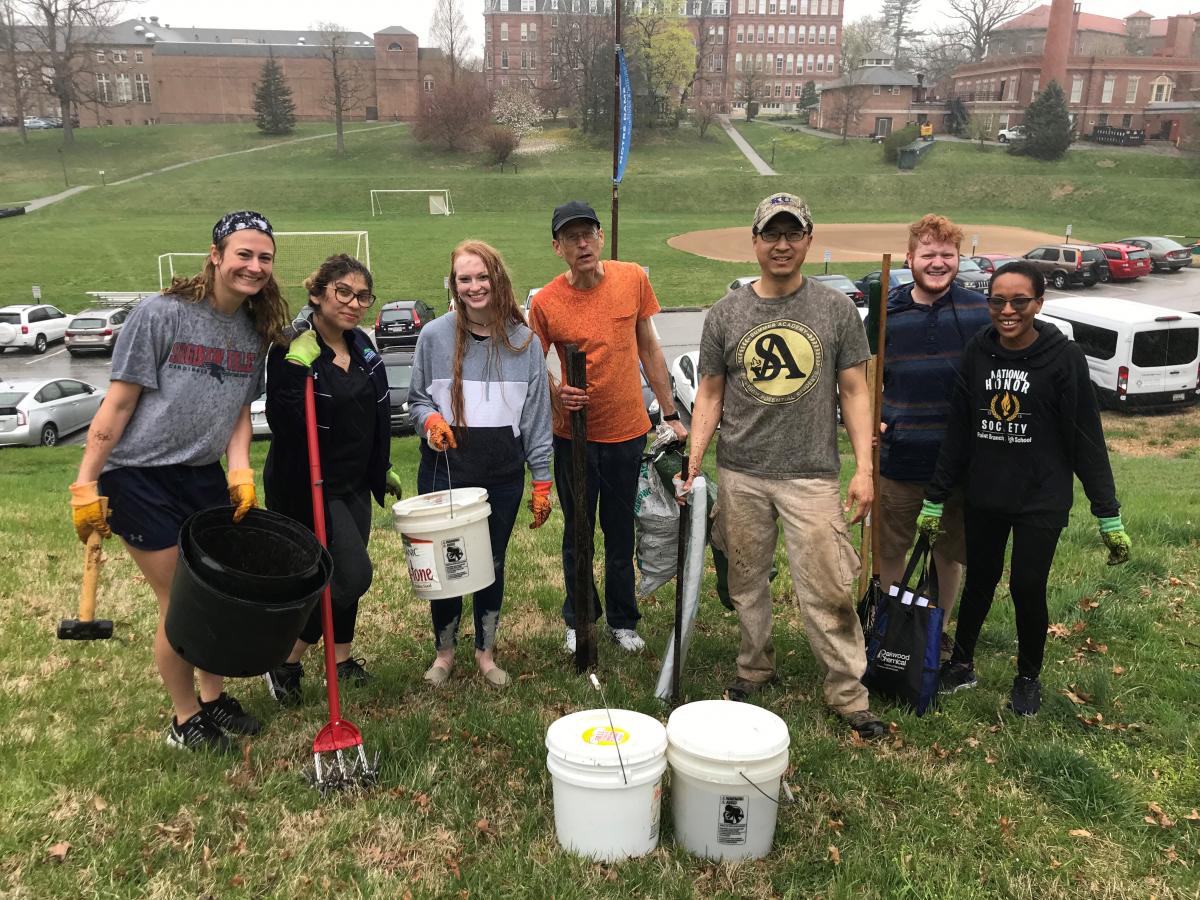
x: 506, y: 313
x: 932, y: 227
x: 338, y: 266
x: 268, y: 310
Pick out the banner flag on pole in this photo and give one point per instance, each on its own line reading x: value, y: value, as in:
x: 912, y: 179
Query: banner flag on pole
x: 626, y: 113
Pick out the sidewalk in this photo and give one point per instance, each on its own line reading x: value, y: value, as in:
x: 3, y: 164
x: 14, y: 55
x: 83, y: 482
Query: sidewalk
x: 747, y: 150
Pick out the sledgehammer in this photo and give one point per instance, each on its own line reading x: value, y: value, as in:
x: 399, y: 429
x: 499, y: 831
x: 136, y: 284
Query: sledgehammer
x: 87, y: 627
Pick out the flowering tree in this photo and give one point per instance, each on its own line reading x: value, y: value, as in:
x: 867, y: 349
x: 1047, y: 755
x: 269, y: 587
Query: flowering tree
x: 515, y: 110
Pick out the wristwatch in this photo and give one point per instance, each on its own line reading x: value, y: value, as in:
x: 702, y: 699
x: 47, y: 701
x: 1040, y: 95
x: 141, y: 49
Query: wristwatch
x: 671, y: 417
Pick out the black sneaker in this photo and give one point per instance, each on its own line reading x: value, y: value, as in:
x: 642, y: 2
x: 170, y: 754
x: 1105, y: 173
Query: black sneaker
x: 352, y: 670
x: 283, y: 683
x: 227, y: 713
x: 956, y: 677
x: 198, y: 733
x: 1026, y: 696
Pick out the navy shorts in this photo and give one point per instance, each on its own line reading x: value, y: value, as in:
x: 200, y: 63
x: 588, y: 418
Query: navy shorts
x: 149, y: 504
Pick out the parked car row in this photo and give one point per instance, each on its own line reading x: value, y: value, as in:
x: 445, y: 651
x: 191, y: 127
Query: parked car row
x: 41, y: 411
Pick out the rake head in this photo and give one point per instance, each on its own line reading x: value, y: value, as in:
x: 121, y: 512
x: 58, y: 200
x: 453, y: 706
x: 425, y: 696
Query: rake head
x: 340, y: 761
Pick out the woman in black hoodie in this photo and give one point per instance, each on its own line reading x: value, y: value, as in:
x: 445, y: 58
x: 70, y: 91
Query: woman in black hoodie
x: 1023, y: 422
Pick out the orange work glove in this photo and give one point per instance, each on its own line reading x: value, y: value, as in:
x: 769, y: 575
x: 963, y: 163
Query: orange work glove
x: 439, y: 434
x: 241, y: 492
x: 539, y: 503
x: 89, y: 511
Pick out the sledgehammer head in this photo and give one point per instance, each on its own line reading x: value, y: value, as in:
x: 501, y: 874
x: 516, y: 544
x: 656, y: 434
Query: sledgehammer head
x: 75, y: 630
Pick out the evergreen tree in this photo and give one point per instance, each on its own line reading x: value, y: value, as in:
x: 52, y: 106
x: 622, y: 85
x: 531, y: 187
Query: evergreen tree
x: 808, y: 95
x: 274, y: 111
x: 1048, y: 125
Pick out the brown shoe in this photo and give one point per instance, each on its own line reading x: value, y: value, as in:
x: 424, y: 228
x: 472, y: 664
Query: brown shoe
x: 866, y: 724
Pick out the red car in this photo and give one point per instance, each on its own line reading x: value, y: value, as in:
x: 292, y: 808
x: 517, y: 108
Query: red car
x: 990, y: 262
x: 1125, y: 261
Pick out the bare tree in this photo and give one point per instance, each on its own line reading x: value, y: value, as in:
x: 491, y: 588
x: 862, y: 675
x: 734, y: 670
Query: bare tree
x: 860, y: 38
x: 939, y: 53
x: 15, y: 46
x: 899, y: 16
x: 448, y: 30
x: 846, y: 103
x: 749, y: 89
x: 977, y: 19
x: 345, y: 89
x: 63, y: 34
x: 585, y: 68
x: 704, y: 114
x: 456, y: 113
x: 706, y: 45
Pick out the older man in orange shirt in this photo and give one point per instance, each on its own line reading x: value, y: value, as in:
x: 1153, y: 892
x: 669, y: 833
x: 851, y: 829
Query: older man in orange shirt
x: 604, y: 308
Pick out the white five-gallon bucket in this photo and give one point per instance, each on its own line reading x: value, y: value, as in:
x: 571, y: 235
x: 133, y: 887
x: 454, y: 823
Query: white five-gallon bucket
x: 446, y: 542
x: 726, y: 761
x: 601, y: 811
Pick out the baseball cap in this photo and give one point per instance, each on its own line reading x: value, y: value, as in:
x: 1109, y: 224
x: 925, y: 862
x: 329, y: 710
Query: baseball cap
x: 782, y: 203
x: 569, y: 212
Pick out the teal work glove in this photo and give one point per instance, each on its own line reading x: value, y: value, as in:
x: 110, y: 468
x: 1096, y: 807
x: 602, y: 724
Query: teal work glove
x: 392, y: 484
x: 304, y: 350
x: 1112, y: 533
x: 929, y: 520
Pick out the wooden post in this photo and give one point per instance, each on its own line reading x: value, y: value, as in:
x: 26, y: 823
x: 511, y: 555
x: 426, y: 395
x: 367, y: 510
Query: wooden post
x: 585, y: 628
x: 885, y: 277
x: 616, y: 117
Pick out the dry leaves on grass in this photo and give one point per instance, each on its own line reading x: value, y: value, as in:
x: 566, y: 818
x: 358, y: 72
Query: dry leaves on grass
x: 1079, y: 833
x: 1006, y: 826
x: 835, y: 855
x: 1076, y: 696
x: 58, y: 852
x: 1158, y: 817
x: 1088, y: 603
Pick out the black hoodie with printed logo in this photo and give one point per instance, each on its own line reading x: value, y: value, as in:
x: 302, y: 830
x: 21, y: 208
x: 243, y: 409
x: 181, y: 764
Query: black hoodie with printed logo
x: 1022, y: 423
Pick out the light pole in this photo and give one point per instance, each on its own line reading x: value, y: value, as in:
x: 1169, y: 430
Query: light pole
x: 103, y: 183
x: 773, y: 151
x: 63, y: 159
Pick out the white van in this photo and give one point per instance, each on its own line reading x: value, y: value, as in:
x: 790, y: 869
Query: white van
x: 1061, y: 324
x: 1139, y: 355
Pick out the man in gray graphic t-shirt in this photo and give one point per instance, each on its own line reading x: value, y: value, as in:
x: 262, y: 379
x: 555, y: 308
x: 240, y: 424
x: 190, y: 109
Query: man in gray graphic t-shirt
x: 776, y: 357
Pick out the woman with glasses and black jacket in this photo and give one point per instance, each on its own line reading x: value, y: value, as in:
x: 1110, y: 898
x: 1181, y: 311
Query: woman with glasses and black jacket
x: 1024, y: 422
x: 354, y: 435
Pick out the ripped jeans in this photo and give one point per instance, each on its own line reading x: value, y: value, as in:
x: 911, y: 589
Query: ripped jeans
x: 505, y: 501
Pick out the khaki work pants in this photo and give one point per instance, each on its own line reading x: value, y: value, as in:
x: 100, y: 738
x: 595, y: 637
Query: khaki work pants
x: 824, y: 566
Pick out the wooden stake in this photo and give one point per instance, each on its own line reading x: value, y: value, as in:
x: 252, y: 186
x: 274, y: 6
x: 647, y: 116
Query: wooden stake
x: 585, y: 628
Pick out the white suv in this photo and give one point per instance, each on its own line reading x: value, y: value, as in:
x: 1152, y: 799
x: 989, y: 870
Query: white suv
x: 27, y: 325
x: 1016, y: 133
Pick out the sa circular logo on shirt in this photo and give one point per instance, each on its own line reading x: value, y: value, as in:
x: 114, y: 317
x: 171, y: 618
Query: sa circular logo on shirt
x: 780, y: 361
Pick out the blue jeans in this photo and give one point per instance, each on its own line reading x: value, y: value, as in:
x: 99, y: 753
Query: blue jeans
x: 505, y: 501
x: 612, y: 475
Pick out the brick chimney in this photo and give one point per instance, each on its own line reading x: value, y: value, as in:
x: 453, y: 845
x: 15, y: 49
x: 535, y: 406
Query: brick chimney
x: 1178, y: 41
x: 1058, y: 43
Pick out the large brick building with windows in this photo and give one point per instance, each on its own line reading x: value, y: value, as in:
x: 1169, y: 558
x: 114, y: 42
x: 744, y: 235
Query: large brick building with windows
x: 142, y: 71
x: 784, y: 43
x: 1136, y: 73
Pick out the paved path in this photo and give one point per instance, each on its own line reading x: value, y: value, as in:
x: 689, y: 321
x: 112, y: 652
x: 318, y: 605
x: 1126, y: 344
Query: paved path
x: 55, y: 198
x: 747, y: 150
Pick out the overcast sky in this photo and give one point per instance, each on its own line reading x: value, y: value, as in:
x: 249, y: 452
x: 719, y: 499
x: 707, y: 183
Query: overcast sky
x: 371, y: 15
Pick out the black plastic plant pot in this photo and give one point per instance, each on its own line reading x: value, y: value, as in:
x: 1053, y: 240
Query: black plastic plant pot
x: 220, y: 619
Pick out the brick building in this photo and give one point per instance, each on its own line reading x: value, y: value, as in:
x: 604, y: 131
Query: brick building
x: 873, y: 100
x: 783, y: 42
x: 1137, y: 72
x: 141, y: 71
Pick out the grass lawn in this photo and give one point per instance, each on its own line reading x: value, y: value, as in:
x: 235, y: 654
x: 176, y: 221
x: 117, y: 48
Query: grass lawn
x: 1092, y: 798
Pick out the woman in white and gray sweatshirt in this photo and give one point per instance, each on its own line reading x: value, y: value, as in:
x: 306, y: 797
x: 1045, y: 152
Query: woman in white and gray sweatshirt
x: 480, y: 396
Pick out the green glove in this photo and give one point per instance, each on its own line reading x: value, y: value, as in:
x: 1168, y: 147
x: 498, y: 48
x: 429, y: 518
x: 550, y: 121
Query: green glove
x: 929, y: 520
x: 304, y: 350
x: 1112, y: 533
x: 392, y: 484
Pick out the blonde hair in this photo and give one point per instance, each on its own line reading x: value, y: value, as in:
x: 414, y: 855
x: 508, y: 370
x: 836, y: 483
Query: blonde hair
x: 932, y: 227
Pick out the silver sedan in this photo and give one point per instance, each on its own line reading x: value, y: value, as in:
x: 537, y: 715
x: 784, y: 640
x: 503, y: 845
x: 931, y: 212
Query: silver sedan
x: 40, y: 412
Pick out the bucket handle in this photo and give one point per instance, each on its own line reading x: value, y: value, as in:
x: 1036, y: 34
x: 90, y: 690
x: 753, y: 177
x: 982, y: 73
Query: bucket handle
x: 783, y: 784
x: 449, y: 481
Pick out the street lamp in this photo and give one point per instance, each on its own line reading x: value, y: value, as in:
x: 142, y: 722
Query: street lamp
x: 63, y: 159
x: 773, y: 151
x: 103, y: 183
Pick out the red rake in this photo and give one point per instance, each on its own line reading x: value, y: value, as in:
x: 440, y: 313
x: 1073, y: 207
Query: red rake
x: 337, y: 735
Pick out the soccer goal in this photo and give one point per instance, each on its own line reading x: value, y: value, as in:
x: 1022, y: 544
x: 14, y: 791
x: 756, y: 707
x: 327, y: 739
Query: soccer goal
x: 297, y: 255
x: 440, y: 203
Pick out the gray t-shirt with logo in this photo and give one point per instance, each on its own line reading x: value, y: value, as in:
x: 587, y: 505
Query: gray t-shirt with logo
x: 197, y: 368
x: 780, y: 358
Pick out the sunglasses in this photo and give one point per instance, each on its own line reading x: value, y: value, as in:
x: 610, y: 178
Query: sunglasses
x: 1017, y: 303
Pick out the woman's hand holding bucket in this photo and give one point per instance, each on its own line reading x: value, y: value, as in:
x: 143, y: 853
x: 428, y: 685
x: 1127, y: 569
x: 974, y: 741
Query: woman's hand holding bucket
x: 439, y: 434
x: 241, y: 492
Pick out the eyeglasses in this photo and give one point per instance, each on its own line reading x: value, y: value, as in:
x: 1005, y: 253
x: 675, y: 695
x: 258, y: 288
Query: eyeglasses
x: 575, y: 237
x: 345, y: 294
x: 1017, y: 303
x: 773, y: 236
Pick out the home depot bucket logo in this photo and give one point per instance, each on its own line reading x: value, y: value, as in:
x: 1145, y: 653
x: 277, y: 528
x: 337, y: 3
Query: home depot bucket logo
x: 780, y: 361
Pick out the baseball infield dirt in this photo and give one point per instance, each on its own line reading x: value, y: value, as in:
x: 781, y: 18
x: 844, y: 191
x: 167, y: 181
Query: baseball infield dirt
x: 858, y: 242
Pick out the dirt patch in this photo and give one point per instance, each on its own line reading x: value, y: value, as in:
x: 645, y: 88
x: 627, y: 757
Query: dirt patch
x: 1061, y: 191
x: 1168, y: 436
x: 858, y: 242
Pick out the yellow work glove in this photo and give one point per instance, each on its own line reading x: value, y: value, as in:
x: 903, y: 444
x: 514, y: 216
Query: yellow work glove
x: 391, y: 484
x: 439, y: 434
x: 89, y: 511
x: 241, y: 492
x: 539, y: 503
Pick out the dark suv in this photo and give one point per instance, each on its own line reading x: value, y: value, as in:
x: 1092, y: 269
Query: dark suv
x: 398, y: 365
x: 1067, y: 264
x: 400, y: 322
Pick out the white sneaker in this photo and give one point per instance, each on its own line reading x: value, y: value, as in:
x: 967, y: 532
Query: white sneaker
x: 569, y: 643
x: 628, y: 639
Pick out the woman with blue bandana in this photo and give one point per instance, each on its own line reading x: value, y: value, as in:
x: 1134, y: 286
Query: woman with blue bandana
x: 185, y: 369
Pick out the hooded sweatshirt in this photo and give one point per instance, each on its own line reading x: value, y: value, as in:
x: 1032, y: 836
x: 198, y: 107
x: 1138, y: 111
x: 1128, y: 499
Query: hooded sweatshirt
x: 1022, y: 423
x: 506, y: 402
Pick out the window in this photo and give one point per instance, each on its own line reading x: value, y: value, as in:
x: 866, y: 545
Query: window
x: 503, y: 5
x: 1131, y: 88
x: 810, y: 62
x: 1161, y: 89
x: 103, y: 88
x: 394, y: 45
x: 741, y: 7
x: 829, y: 67
x: 592, y: 6
x: 528, y: 5
x: 99, y: 56
x: 804, y: 7
x: 720, y: 7
x: 527, y: 60
x: 741, y: 34
x: 141, y: 87
x: 533, y: 31
x: 833, y: 34
x: 120, y: 56
x: 824, y: 8
x: 737, y: 62
x: 504, y: 59
x: 124, y: 92
x: 812, y: 34
x: 1106, y: 94
x: 1076, y: 88
x: 793, y: 7
x: 1167, y: 347
x: 429, y: 84
x: 791, y: 34
x: 778, y: 63
x: 1126, y: 121
x: 894, y: 90
x: 139, y: 56
x: 787, y: 90
x: 1036, y: 80
x: 833, y: 7
x: 758, y: 62
x: 762, y: 33
x: 790, y: 63
x: 718, y: 62
x: 524, y: 31
x: 504, y: 31
x: 821, y: 65
x: 771, y: 7
x: 770, y: 34
x: 778, y: 89
x: 1094, y: 340
x: 821, y: 35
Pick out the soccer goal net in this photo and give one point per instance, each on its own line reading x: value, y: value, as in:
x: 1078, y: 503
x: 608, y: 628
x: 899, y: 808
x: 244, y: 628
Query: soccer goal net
x: 297, y: 255
x: 411, y: 200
